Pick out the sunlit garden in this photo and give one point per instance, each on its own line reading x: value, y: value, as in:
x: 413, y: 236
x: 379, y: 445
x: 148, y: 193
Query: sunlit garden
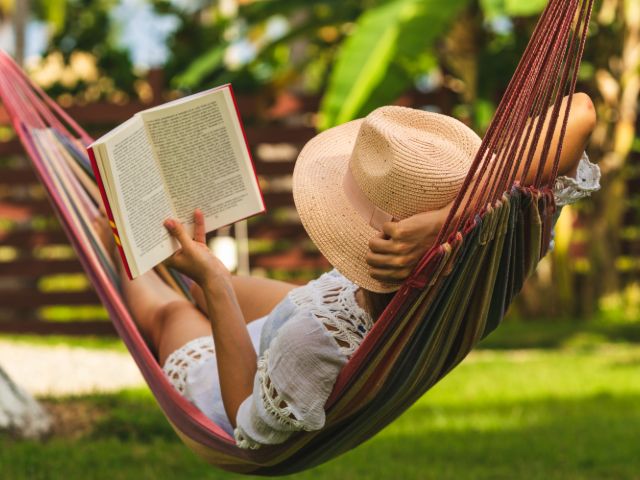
x: 553, y: 393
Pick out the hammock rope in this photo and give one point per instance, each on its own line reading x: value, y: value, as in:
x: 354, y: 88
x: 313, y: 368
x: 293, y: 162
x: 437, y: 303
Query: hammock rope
x: 559, y: 36
x: 493, y: 238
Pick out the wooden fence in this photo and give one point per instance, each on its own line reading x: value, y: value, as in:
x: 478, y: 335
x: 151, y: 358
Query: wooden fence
x: 42, y: 287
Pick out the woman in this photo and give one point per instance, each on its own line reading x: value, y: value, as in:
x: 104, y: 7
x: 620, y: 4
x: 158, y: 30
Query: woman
x: 372, y: 194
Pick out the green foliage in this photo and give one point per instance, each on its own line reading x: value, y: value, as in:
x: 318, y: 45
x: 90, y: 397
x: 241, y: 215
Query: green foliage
x: 515, y: 8
x: 85, y: 25
x: 197, y: 50
x: 55, y: 13
x: 201, y: 68
x: 371, y: 68
x: 273, y: 65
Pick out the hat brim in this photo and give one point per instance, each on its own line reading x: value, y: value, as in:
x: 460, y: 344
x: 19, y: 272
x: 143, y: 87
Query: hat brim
x: 341, y: 234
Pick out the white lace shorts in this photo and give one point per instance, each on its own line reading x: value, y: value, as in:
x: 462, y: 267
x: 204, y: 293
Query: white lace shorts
x: 193, y: 371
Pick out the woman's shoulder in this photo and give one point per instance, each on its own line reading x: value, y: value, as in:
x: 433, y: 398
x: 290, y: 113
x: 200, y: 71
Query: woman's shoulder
x: 327, y: 301
x: 330, y: 301
x: 323, y: 290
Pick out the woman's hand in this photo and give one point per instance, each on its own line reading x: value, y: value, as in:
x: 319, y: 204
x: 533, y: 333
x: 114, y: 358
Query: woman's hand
x: 396, y: 250
x: 195, y: 259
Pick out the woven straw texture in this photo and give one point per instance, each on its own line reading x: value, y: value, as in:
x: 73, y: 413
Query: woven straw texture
x: 405, y: 161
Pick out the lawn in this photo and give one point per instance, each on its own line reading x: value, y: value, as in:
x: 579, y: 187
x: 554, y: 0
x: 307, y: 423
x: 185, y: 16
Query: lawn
x: 569, y: 411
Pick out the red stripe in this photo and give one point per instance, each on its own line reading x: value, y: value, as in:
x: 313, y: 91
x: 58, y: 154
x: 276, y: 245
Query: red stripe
x: 107, y: 207
x: 246, y: 143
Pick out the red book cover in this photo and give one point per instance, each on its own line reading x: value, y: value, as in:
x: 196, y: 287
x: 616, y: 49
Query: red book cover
x: 107, y: 207
x: 246, y: 142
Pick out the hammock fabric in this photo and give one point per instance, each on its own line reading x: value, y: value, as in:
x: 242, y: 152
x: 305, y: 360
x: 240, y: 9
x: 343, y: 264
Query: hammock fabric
x: 457, y: 294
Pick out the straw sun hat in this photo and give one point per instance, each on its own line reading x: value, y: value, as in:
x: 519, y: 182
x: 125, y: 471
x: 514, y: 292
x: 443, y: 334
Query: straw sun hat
x: 391, y: 165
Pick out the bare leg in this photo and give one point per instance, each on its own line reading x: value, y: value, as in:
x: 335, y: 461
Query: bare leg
x: 165, y: 318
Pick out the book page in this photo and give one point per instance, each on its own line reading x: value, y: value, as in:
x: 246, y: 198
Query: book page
x: 141, y: 198
x: 204, y: 161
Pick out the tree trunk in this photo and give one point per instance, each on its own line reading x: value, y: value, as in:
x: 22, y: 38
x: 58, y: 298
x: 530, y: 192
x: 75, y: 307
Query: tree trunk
x: 20, y: 414
x: 618, y: 81
x: 20, y: 19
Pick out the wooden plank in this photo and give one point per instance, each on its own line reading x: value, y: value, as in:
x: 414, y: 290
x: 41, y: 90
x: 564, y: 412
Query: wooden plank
x: 29, y: 207
x: 29, y: 238
x: 33, y: 298
x: 292, y: 259
x: 283, y: 106
x: 270, y: 231
x: 274, y: 168
x: 39, y: 327
x: 105, y: 113
x: 12, y: 147
x: 17, y: 176
x: 10, y: 176
x: 36, y: 268
x: 278, y: 199
x: 249, y: 106
x: 279, y: 134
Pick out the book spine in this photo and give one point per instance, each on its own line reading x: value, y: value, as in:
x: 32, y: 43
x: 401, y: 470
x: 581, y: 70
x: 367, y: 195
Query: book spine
x: 112, y: 223
x: 246, y: 142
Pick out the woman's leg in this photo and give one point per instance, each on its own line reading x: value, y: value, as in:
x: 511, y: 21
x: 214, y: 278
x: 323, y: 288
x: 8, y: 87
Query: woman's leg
x: 256, y: 296
x: 167, y: 320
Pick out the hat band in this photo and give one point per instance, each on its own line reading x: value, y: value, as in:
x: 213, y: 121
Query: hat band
x: 372, y: 214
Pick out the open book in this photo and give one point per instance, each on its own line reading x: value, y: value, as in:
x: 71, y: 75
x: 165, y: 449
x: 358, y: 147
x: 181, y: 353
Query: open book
x: 166, y: 162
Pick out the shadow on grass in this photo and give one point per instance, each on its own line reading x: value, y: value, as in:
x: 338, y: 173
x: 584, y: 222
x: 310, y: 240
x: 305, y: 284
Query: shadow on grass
x: 593, y: 437
x: 551, y: 334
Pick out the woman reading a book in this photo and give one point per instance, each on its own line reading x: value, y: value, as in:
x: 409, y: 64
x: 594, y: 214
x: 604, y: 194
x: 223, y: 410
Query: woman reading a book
x: 372, y: 194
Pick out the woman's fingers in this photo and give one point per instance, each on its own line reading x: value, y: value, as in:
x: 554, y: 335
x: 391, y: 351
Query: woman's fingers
x: 386, y: 261
x: 199, y: 233
x: 390, y: 275
x: 382, y: 245
x: 177, y: 231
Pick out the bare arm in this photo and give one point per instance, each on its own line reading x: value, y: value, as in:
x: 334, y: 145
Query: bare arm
x: 236, y: 357
x: 257, y: 296
x: 396, y: 250
x: 237, y: 362
x: 582, y: 121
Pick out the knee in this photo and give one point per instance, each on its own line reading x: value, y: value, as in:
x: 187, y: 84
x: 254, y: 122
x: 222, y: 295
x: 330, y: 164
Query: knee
x: 165, y: 314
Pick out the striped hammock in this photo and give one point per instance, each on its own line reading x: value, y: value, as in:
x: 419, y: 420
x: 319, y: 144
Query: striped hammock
x: 458, y: 293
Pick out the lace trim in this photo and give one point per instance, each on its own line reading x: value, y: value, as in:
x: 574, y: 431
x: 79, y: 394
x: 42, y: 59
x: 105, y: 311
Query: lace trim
x: 272, y: 401
x: 245, y: 442
x: 190, y: 354
x: 587, y: 180
x: 332, y: 301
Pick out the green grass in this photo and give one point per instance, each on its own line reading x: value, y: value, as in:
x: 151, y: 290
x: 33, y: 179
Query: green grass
x: 567, y: 413
x: 551, y: 334
x: 92, y: 342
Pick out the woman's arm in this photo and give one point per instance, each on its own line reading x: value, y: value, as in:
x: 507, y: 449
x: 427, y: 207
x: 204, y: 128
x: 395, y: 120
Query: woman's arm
x: 582, y: 122
x: 295, y: 377
x: 235, y: 354
x: 396, y: 250
x: 257, y: 296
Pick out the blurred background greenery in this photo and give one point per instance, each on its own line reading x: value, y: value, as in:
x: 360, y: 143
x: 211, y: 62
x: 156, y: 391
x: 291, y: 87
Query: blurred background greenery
x: 357, y: 55
x: 555, y: 399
